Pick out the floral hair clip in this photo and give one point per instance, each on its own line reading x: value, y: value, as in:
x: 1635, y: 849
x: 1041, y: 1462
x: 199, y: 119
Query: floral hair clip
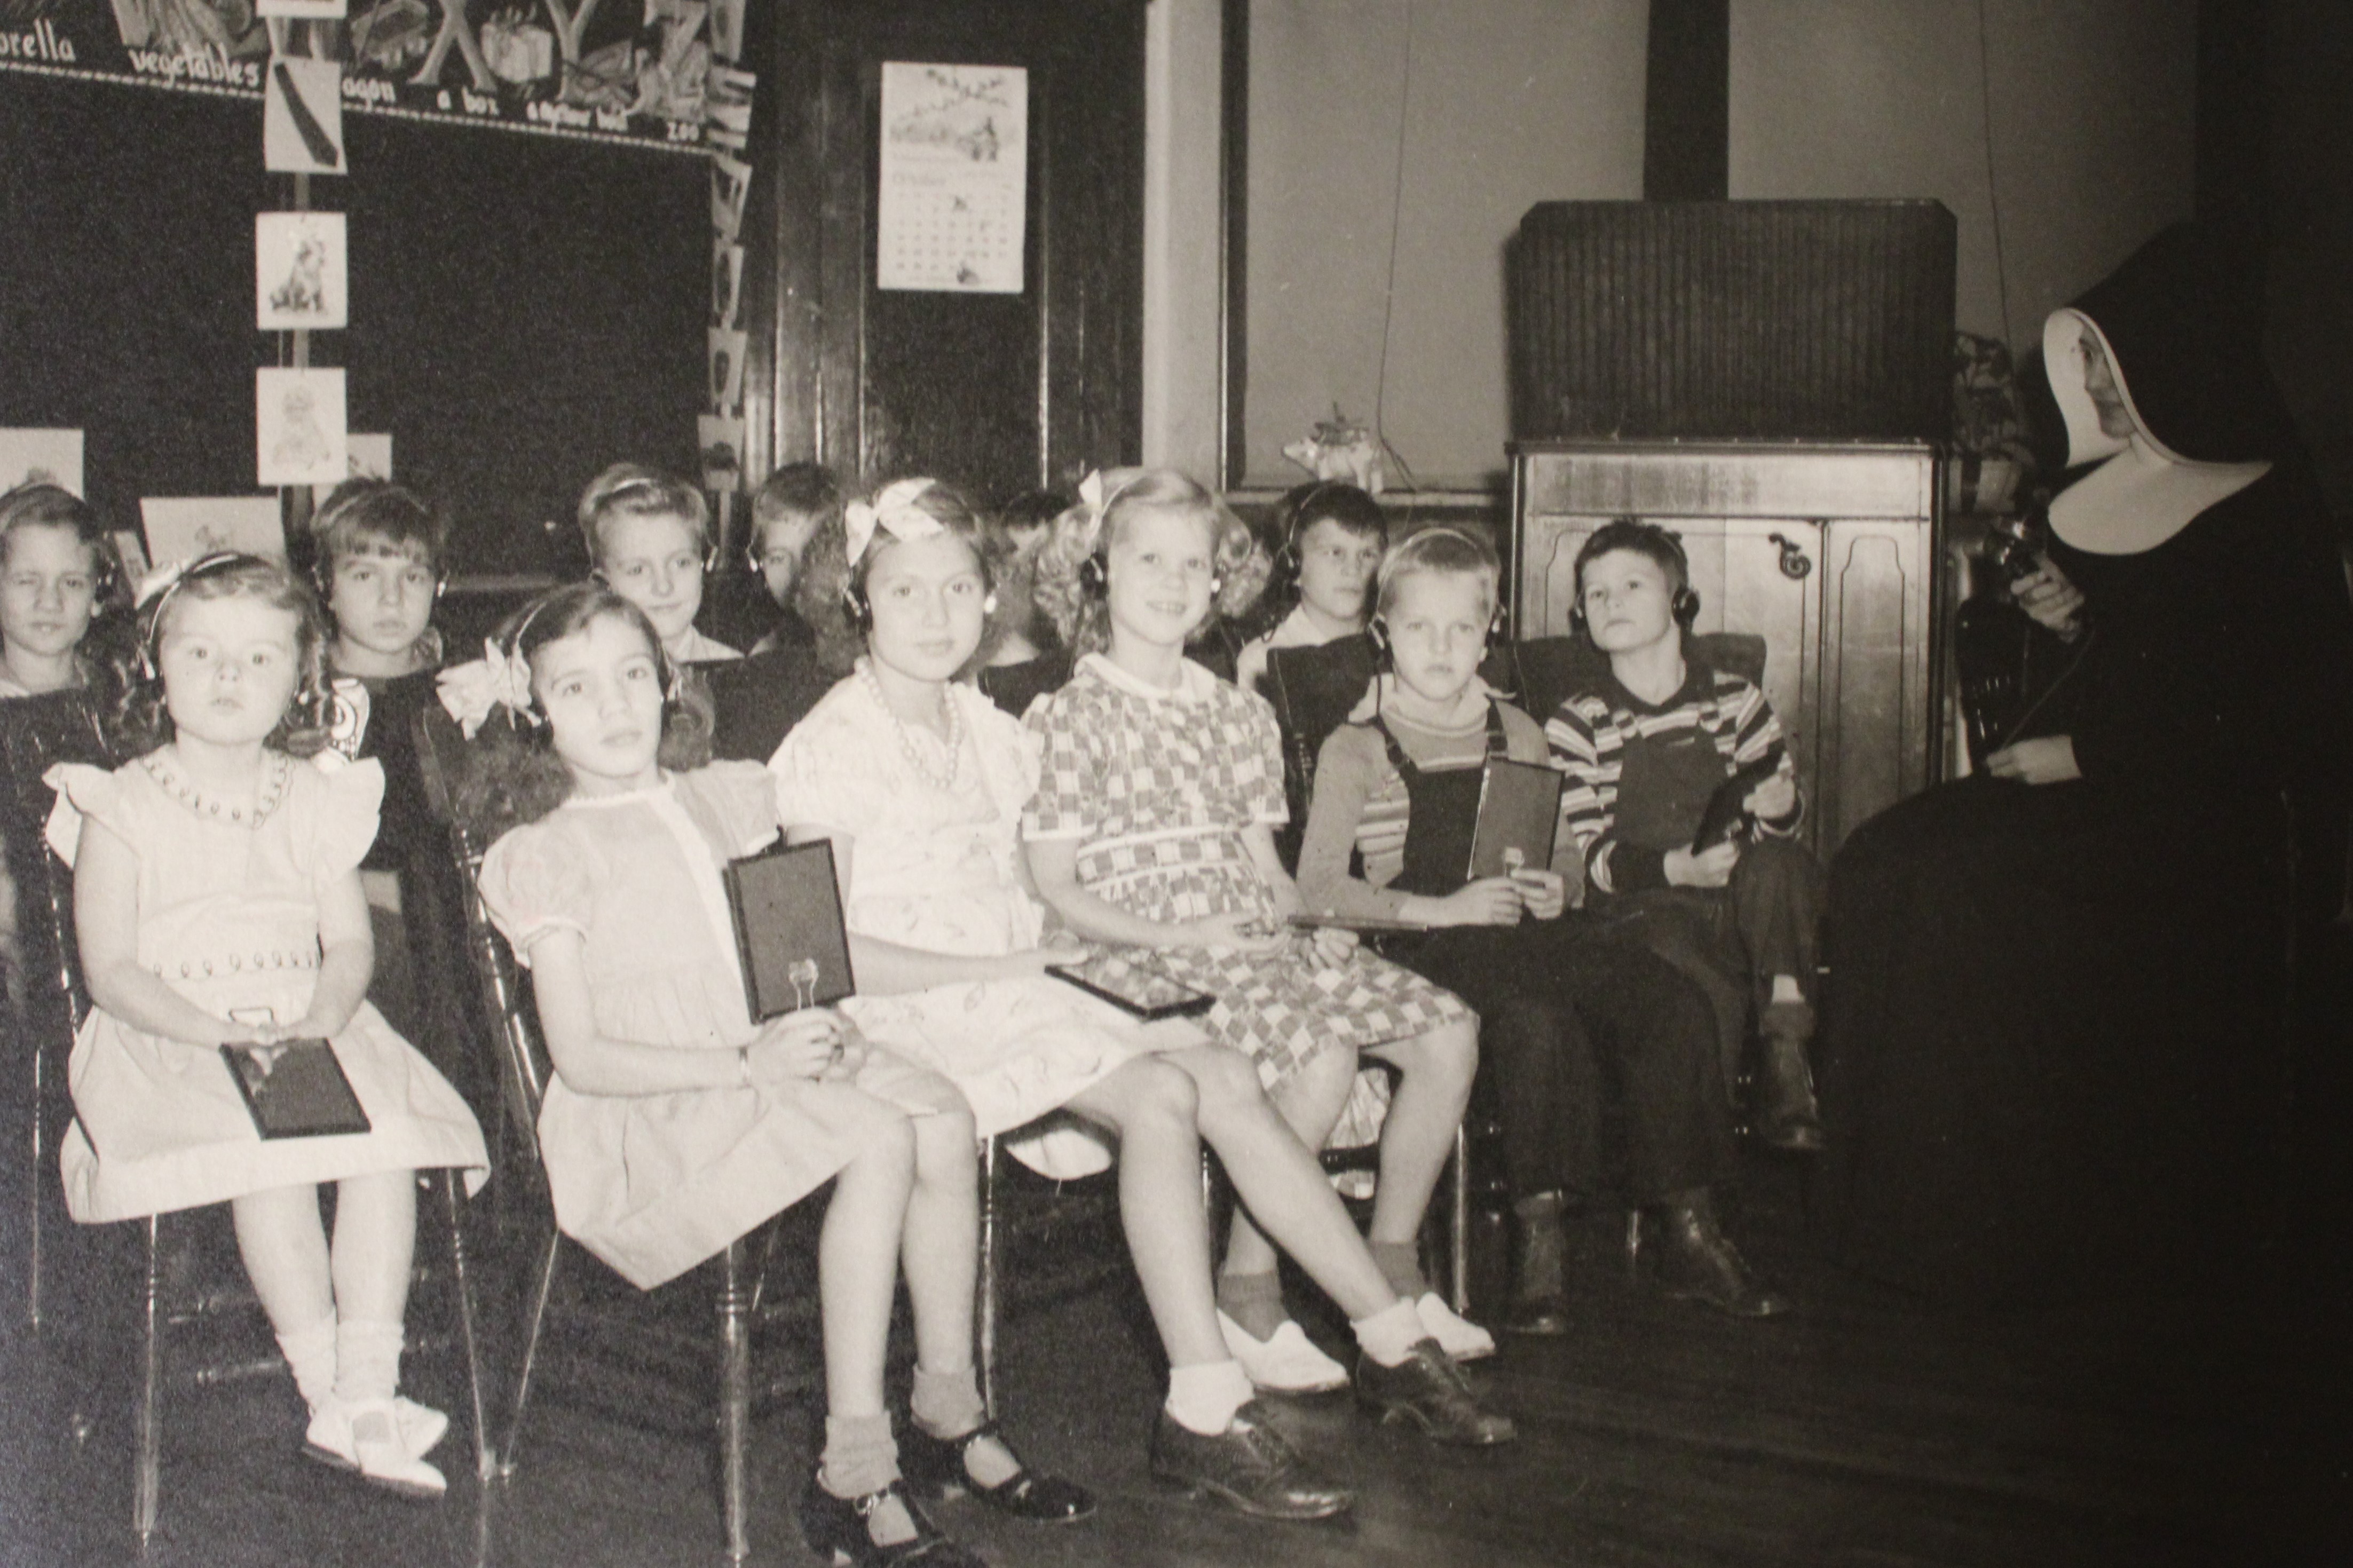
x: 893, y: 511
x: 498, y: 679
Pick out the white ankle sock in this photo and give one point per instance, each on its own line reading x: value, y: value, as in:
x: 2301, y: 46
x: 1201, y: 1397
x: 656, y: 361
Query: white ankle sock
x: 368, y: 1360
x: 310, y: 1355
x: 1204, y: 1397
x: 1390, y: 1335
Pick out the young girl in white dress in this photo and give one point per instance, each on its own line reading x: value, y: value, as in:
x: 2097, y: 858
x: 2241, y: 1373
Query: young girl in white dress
x: 217, y: 899
x: 674, y: 1124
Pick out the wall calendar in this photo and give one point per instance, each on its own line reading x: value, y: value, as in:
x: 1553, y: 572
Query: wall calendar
x: 955, y: 178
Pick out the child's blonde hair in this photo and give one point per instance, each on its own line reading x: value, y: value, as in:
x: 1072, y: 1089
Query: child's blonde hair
x: 1073, y: 564
x: 1448, y: 549
x: 632, y: 490
x: 137, y: 719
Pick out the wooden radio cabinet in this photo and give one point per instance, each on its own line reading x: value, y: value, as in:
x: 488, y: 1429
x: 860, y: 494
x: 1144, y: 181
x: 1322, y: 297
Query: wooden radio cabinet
x: 1829, y: 551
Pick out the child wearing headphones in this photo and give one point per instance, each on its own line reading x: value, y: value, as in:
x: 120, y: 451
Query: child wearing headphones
x: 650, y: 540
x: 1644, y: 751
x: 1333, y: 535
x: 217, y: 901
x: 1581, y: 1030
x: 377, y: 562
x: 674, y: 1124
x: 788, y: 509
x: 1152, y: 829
x: 57, y: 571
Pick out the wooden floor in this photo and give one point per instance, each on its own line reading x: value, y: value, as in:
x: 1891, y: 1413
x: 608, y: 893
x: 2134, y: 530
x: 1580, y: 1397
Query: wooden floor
x: 1861, y: 1431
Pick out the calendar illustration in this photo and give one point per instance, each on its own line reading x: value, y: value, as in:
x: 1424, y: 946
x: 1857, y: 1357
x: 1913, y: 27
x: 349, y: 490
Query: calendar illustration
x: 955, y: 156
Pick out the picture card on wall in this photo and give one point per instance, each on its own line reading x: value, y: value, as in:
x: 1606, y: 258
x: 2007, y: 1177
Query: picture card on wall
x: 730, y: 188
x: 370, y: 455
x: 31, y: 456
x: 181, y: 528
x: 726, y: 368
x: 298, y: 417
x: 726, y: 282
x: 723, y: 451
x: 303, y: 116
x: 133, y: 550
x: 300, y: 272
x: 727, y: 29
x: 302, y: 10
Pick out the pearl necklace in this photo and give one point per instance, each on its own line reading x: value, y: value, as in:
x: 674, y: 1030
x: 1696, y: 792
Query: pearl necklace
x: 914, y: 753
x: 277, y: 771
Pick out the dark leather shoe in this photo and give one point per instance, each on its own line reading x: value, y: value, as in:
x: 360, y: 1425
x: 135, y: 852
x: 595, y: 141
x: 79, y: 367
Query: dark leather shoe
x: 935, y: 1467
x: 1250, y: 1466
x: 1695, y: 1261
x: 837, y: 1529
x: 1544, y: 1316
x: 1787, y: 1116
x: 1428, y: 1389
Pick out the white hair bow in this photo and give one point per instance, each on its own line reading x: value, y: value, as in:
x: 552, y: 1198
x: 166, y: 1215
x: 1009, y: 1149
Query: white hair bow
x: 497, y: 680
x: 893, y: 511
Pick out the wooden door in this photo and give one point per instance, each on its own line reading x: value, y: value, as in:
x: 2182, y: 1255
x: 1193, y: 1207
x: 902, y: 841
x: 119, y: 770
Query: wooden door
x: 997, y: 393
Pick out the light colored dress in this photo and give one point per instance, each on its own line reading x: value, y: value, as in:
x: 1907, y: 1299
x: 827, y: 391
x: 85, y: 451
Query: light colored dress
x: 228, y: 916
x: 1157, y: 788
x: 938, y: 869
x: 654, y: 1184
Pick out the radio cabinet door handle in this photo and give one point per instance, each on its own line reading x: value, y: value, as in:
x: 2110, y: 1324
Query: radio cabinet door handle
x: 1795, y: 564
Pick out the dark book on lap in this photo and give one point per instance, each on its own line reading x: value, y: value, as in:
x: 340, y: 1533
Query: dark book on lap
x: 789, y: 931
x: 1727, y: 807
x: 295, y: 1089
x: 1145, y: 992
x: 1519, y: 811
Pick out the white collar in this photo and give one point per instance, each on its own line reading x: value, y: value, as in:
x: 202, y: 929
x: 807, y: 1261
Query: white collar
x: 1194, y: 684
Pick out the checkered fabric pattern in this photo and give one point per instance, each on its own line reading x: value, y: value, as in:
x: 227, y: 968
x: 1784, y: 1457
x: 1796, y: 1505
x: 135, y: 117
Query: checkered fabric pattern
x: 1159, y: 791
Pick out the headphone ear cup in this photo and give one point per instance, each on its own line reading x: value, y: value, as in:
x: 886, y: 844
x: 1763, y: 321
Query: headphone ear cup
x: 1094, y: 578
x: 1685, y: 608
x: 855, y: 607
x: 988, y: 605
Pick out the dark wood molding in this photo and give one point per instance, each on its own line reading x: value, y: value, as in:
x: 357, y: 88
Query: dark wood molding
x: 1233, y: 251
x: 1686, y: 102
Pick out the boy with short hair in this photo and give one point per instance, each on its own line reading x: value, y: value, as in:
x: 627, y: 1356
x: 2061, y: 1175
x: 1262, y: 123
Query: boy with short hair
x: 1333, y: 536
x: 787, y: 509
x: 1644, y: 751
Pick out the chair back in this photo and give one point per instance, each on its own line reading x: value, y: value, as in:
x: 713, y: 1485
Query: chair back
x: 1013, y: 687
x: 36, y: 735
x: 445, y: 757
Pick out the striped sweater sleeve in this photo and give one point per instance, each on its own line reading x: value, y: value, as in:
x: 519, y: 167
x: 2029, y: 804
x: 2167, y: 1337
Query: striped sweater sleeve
x: 1588, y: 746
x: 1746, y: 717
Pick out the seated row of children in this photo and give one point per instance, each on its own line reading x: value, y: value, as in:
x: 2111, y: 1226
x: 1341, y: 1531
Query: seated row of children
x: 1133, y: 809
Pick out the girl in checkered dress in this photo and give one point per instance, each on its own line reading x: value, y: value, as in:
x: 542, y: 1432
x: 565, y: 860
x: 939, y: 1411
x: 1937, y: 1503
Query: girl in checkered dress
x: 1153, y: 827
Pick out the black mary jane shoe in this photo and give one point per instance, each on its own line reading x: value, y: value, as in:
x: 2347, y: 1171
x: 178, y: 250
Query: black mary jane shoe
x: 836, y: 1529
x: 936, y: 1467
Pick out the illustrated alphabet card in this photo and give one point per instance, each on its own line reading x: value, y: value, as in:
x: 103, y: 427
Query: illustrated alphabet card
x: 299, y: 426
x: 298, y: 271
x: 726, y: 368
x: 40, y: 458
x: 181, y: 528
x: 303, y: 117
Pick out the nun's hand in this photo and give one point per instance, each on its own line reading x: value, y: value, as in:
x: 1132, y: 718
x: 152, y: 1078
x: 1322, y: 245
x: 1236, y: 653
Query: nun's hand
x: 2046, y: 759
x: 2055, y: 603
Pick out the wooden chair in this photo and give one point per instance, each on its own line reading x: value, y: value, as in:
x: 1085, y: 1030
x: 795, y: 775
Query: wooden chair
x: 35, y: 733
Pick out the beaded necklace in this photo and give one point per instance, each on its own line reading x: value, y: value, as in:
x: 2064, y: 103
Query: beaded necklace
x: 914, y: 753
x: 277, y: 769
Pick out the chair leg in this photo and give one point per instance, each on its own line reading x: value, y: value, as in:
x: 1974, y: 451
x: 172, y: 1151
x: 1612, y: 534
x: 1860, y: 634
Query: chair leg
x: 1633, y: 1246
x: 986, y: 1303
x: 734, y: 1400
x: 541, y: 1290
x: 148, y: 1432
x: 1458, y: 1233
x: 453, y: 1195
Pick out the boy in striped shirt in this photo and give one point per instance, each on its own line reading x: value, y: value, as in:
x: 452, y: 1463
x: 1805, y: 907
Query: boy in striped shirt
x: 1643, y: 752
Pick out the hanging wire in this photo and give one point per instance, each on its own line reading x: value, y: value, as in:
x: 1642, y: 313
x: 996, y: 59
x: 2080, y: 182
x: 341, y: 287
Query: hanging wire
x: 1993, y: 197
x: 1389, y: 290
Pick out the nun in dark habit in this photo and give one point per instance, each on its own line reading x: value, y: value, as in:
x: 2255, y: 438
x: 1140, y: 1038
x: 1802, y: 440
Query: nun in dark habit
x: 2053, y: 1058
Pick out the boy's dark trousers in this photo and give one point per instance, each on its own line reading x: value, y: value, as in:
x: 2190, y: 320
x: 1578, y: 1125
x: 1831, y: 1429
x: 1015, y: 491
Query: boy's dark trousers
x: 1731, y: 941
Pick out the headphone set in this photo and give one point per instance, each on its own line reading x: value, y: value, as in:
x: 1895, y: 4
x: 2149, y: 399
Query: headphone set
x: 1624, y: 532
x: 1094, y: 572
x: 322, y: 578
x: 859, y: 609
x: 1376, y: 626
